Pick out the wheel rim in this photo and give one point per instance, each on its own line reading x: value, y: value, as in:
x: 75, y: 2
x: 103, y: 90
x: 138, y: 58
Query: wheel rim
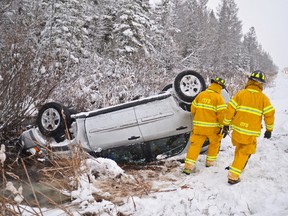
x: 50, y: 119
x: 190, y: 85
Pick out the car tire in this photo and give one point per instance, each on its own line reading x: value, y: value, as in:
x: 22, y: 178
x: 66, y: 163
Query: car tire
x: 187, y: 85
x: 51, y: 122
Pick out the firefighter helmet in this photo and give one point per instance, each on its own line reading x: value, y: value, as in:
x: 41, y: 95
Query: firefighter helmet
x: 219, y: 81
x: 257, y: 76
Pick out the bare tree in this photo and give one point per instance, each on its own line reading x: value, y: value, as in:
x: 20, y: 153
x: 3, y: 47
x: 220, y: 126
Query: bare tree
x: 22, y: 86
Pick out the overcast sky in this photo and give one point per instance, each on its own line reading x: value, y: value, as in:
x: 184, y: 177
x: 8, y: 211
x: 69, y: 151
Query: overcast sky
x: 270, y: 20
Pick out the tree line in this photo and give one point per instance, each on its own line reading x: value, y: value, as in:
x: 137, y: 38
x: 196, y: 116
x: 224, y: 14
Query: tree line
x: 93, y: 53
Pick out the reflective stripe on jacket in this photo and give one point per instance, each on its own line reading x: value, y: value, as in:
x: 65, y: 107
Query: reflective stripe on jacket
x: 208, y: 110
x: 245, y: 111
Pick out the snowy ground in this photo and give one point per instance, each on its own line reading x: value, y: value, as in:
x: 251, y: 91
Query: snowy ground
x: 162, y: 189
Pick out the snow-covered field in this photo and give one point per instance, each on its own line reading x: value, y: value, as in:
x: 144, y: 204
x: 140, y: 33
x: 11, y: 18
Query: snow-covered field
x: 162, y: 189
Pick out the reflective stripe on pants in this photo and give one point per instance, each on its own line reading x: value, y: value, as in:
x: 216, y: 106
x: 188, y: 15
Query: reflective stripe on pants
x: 197, y: 142
x: 241, y: 155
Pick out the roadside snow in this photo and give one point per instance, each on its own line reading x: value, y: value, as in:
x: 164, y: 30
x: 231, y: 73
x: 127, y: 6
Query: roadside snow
x: 164, y: 190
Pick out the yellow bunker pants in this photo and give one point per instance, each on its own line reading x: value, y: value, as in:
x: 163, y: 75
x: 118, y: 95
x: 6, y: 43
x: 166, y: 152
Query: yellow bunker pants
x: 241, y: 156
x: 197, y: 142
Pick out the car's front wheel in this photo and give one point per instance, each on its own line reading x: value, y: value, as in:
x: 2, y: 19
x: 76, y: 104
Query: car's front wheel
x: 53, y: 119
x: 188, y: 84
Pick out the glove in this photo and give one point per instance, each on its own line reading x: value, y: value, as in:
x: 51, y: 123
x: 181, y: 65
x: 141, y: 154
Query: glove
x: 225, y: 131
x: 267, y: 134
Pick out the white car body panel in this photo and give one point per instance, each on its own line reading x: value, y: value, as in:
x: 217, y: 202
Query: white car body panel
x: 122, y: 123
x: 163, y: 117
x: 154, y: 119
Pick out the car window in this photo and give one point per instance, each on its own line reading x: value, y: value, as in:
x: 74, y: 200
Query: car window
x: 168, y: 146
x: 125, y: 154
x: 148, y: 151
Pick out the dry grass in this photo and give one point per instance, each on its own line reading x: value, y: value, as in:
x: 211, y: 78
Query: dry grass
x: 42, y: 182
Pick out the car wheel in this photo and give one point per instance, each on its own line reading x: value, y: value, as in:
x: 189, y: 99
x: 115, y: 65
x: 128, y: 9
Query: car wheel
x: 188, y: 84
x: 53, y: 119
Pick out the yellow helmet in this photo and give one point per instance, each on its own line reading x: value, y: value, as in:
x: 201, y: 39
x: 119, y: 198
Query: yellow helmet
x: 258, y: 76
x: 219, y: 81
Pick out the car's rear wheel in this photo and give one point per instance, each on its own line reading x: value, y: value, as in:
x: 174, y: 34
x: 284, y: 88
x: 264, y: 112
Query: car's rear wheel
x: 53, y: 119
x: 188, y: 84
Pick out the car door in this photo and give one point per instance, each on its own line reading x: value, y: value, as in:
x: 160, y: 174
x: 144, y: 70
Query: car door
x: 113, y: 129
x: 162, y: 118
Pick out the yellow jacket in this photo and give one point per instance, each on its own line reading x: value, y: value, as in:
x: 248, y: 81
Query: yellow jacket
x: 208, y: 109
x: 245, y: 111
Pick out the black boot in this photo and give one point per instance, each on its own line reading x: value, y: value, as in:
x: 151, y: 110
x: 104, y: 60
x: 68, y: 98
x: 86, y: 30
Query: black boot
x: 231, y: 181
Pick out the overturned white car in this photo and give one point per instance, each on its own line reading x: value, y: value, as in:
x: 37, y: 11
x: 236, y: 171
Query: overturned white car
x: 141, y: 130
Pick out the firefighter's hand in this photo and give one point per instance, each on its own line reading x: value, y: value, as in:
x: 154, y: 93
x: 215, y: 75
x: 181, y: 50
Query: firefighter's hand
x: 267, y: 134
x: 225, y: 131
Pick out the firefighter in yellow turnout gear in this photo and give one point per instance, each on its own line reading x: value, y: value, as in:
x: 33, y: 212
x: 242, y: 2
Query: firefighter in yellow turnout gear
x: 244, y: 114
x: 208, y: 110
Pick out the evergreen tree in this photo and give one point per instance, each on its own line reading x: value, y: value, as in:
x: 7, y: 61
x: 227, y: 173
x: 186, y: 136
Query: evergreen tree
x: 251, y: 44
x: 193, y: 37
x: 163, y: 40
x: 104, y: 24
x: 229, y: 37
x: 211, y: 50
x: 65, y: 39
x: 131, y: 30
